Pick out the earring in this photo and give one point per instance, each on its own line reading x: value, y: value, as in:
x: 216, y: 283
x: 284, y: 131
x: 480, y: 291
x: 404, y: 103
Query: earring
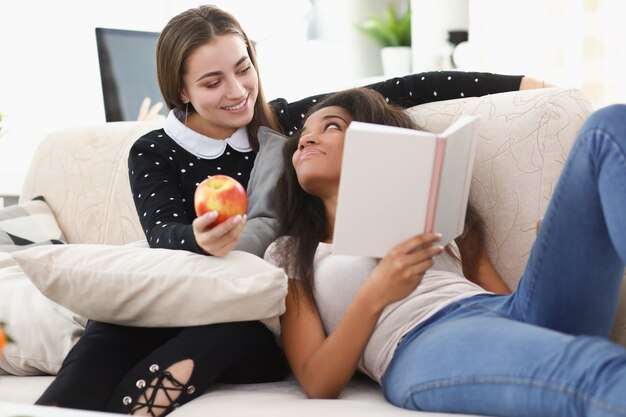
x: 186, y: 113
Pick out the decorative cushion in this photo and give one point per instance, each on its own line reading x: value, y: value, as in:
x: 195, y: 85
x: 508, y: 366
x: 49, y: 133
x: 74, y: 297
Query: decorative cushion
x: 149, y: 287
x: 43, y: 331
x: 29, y: 223
x: 261, y: 226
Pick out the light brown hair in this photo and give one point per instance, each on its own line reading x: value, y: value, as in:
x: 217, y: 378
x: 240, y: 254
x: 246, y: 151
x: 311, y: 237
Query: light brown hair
x: 180, y: 37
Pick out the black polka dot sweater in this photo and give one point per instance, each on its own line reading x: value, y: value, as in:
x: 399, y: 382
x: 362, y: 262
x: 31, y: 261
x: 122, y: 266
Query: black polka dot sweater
x: 166, y: 165
x: 411, y: 90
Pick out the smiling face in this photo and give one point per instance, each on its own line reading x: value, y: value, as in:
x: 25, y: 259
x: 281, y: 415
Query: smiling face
x: 317, y: 160
x: 222, y: 85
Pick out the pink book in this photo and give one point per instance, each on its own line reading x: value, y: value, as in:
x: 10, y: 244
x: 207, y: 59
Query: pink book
x: 396, y: 183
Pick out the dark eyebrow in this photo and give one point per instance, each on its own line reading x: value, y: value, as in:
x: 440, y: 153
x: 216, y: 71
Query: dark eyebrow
x: 328, y: 116
x: 210, y: 74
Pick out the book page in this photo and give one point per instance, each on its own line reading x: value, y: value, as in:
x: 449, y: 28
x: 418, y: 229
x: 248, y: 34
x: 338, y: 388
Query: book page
x: 384, y: 188
x: 456, y: 177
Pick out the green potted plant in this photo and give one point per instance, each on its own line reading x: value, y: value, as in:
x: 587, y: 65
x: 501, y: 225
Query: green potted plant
x: 392, y: 32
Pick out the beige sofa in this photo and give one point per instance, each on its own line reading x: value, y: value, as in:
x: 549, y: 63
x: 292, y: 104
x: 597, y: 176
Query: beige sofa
x: 524, y: 139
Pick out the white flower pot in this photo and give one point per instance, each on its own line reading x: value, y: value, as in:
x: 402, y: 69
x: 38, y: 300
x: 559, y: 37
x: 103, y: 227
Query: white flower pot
x: 396, y: 60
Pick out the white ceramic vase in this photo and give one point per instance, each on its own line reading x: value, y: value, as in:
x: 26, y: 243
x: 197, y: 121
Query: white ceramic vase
x: 396, y: 60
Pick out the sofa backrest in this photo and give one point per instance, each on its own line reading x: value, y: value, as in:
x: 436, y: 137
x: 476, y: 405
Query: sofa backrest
x: 524, y: 139
x: 83, y: 175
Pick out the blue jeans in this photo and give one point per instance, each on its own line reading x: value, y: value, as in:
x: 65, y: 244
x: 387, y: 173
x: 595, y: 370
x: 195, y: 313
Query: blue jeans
x: 543, y: 350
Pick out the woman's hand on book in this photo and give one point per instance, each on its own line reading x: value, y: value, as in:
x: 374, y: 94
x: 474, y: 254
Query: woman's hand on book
x: 402, y: 269
x: 220, y: 239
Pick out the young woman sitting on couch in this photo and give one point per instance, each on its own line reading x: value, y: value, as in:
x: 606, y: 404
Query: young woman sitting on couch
x: 208, y: 76
x: 433, y: 339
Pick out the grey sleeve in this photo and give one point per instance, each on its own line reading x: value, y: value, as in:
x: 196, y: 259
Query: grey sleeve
x: 257, y: 235
x: 262, y: 226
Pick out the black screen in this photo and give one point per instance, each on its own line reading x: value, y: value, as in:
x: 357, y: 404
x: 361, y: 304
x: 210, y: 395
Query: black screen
x: 127, y: 61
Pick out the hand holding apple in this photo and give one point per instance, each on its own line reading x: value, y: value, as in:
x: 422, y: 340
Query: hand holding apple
x: 222, y: 194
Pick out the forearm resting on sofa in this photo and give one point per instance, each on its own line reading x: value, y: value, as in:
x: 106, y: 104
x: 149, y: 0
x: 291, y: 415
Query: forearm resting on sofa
x: 529, y: 83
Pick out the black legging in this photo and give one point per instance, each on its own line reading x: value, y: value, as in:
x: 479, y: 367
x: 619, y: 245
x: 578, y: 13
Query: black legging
x: 107, y: 362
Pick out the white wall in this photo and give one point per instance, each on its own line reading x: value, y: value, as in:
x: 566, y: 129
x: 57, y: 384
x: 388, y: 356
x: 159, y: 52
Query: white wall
x: 431, y: 21
x: 533, y: 37
x: 49, y: 74
x: 576, y: 43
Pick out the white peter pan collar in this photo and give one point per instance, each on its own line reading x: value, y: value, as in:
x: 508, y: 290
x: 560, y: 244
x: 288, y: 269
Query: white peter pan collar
x: 204, y: 146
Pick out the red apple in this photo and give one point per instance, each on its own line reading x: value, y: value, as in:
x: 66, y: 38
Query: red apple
x: 222, y: 194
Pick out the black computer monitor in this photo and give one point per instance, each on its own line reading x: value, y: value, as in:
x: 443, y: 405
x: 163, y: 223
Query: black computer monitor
x: 127, y: 61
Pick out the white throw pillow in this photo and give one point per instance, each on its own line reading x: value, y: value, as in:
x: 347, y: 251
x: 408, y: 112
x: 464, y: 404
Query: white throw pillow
x: 44, y: 332
x: 149, y: 287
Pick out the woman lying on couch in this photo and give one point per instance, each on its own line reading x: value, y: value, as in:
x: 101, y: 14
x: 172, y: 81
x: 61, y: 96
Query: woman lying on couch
x: 434, y: 340
x: 208, y: 77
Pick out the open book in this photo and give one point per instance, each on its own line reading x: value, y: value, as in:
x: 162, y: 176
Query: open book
x: 397, y: 183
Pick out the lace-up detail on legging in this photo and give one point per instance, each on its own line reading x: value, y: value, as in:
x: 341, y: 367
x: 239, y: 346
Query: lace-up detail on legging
x: 174, y: 391
x: 148, y: 400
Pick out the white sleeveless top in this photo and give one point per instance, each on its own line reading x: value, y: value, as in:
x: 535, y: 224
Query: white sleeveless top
x: 339, y: 277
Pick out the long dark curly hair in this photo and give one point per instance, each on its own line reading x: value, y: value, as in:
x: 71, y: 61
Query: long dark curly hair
x: 302, y: 217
